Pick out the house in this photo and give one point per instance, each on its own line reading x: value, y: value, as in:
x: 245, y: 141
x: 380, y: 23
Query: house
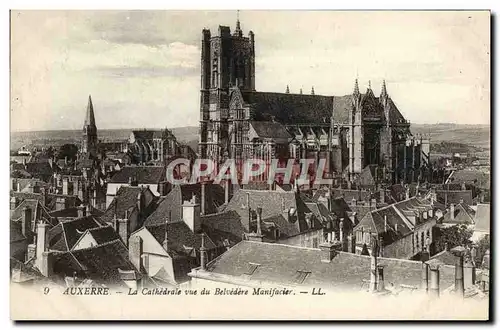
x: 76, y: 212
x: 105, y: 264
x: 404, y: 229
x: 139, y: 176
x: 43, y: 170
x: 170, y: 206
x: 481, y: 222
x: 66, y: 234
x: 458, y: 214
x: 279, y: 216
x: 252, y: 264
x: 129, y: 209
x: 167, y: 251
x: 95, y: 236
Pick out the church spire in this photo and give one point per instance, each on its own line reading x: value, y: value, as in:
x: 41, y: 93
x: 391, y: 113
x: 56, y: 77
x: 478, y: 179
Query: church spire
x: 238, y: 31
x: 312, y: 90
x: 356, y: 87
x: 89, y: 118
x: 287, y: 89
x: 383, y: 91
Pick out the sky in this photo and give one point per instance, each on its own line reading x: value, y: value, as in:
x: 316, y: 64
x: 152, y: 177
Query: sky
x: 142, y: 68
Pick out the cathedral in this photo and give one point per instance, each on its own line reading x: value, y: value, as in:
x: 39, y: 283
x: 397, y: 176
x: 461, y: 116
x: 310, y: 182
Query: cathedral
x: 352, y: 132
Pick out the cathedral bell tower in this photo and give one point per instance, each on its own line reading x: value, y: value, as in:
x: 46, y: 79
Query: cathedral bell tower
x: 227, y: 61
x: 89, y: 138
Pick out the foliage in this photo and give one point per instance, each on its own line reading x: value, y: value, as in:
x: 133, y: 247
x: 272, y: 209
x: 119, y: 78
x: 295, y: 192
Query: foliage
x: 453, y: 236
x: 69, y: 150
x: 482, y: 245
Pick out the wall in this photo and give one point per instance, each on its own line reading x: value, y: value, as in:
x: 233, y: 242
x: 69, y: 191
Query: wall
x: 84, y: 242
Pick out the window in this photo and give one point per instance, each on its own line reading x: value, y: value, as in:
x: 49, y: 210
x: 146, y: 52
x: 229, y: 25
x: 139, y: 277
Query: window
x: 251, y: 268
x: 300, y: 276
x: 359, y: 237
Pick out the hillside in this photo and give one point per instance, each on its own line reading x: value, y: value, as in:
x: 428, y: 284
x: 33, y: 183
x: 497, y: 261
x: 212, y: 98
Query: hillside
x: 473, y: 135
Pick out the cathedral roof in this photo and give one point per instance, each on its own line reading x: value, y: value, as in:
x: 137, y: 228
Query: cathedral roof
x: 289, y: 108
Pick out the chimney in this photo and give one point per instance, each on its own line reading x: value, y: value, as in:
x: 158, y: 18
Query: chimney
x: 382, y: 196
x: 65, y: 186
x: 380, y: 279
x: 65, y: 160
x: 60, y: 203
x: 130, y: 181
x: 13, y: 184
x: 431, y: 213
x: 259, y: 220
x: 203, y: 253
x: 13, y: 202
x: 31, y: 252
x: 203, y: 201
x: 353, y: 202
x: 434, y: 280
x: 385, y: 223
x: 191, y: 213
x: 135, y: 251
x: 26, y: 222
x: 43, y: 191
x: 42, y: 242
x: 18, y: 187
x: 140, y: 201
x: 226, y: 192
x: 424, y: 215
x: 123, y: 229
x: 463, y: 186
x: 373, y: 264
x: 459, y: 252
x: 425, y: 277
x: 81, y: 211
x: 351, y: 243
x: 407, y: 192
x: 341, y: 232
x: 452, y: 211
x: 329, y: 251
x: 87, y: 210
x: 373, y: 203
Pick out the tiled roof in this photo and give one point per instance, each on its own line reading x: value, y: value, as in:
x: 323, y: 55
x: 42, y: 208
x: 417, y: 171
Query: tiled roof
x: 100, y: 262
x: 149, y: 134
x: 72, y: 212
x: 272, y: 202
x: 280, y: 263
x: 463, y: 213
x: 125, y: 200
x: 179, y: 236
x: 482, y: 218
x: 143, y: 174
x: 64, y: 236
x: 269, y: 129
x: 454, y: 196
x: 221, y: 226
x: 446, y: 257
x: 104, y: 234
x: 289, y: 108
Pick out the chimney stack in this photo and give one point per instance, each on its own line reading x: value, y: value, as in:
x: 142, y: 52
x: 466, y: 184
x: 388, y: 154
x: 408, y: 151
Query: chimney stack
x: 191, y: 214
x: 380, y: 284
x: 459, y: 252
x: 65, y: 186
x: 373, y: 264
x: 42, y: 242
x: 81, y: 211
x: 135, y: 249
x: 452, y: 211
x: 434, y: 280
x: 385, y: 223
x: 203, y: 201
x: 425, y: 277
x: 329, y: 251
x: 26, y: 222
x: 259, y: 220
x: 123, y: 229
x: 203, y: 253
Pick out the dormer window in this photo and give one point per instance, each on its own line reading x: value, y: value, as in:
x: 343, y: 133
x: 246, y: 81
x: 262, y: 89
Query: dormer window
x: 300, y: 276
x: 252, y: 267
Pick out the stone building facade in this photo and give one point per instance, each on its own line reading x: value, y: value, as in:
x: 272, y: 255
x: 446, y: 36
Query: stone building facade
x: 350, y: 131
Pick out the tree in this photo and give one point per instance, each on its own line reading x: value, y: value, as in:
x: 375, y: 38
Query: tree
x: 482, y: 245
x: 453, y: 236
x: 68, y: 150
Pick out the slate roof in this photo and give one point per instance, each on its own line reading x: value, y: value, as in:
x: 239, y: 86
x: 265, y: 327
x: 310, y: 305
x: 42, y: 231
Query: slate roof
x: 100, y: 262
x: 446, y: 257
x: 72, y: 212
x: 464, y: 214
x: 179, y: 236
x: 279, y: 264
x: 482, y: 218
x: 269, y: 129
x: 272, y: 202
x: 63, y: 236
x: 103, y: 234
x: 221, y: 226
x: 71, y: 200
x: 148, y: 134
x: 41, y: 169
x: 143, y: 174
x: 125, y: 200
x: 288, y: 108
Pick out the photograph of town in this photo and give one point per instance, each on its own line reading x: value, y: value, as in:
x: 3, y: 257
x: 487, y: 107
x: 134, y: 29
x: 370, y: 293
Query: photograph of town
x: 257, y: 158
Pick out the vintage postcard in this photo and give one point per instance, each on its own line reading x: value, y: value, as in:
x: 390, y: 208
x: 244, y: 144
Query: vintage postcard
x: 250, y: 165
